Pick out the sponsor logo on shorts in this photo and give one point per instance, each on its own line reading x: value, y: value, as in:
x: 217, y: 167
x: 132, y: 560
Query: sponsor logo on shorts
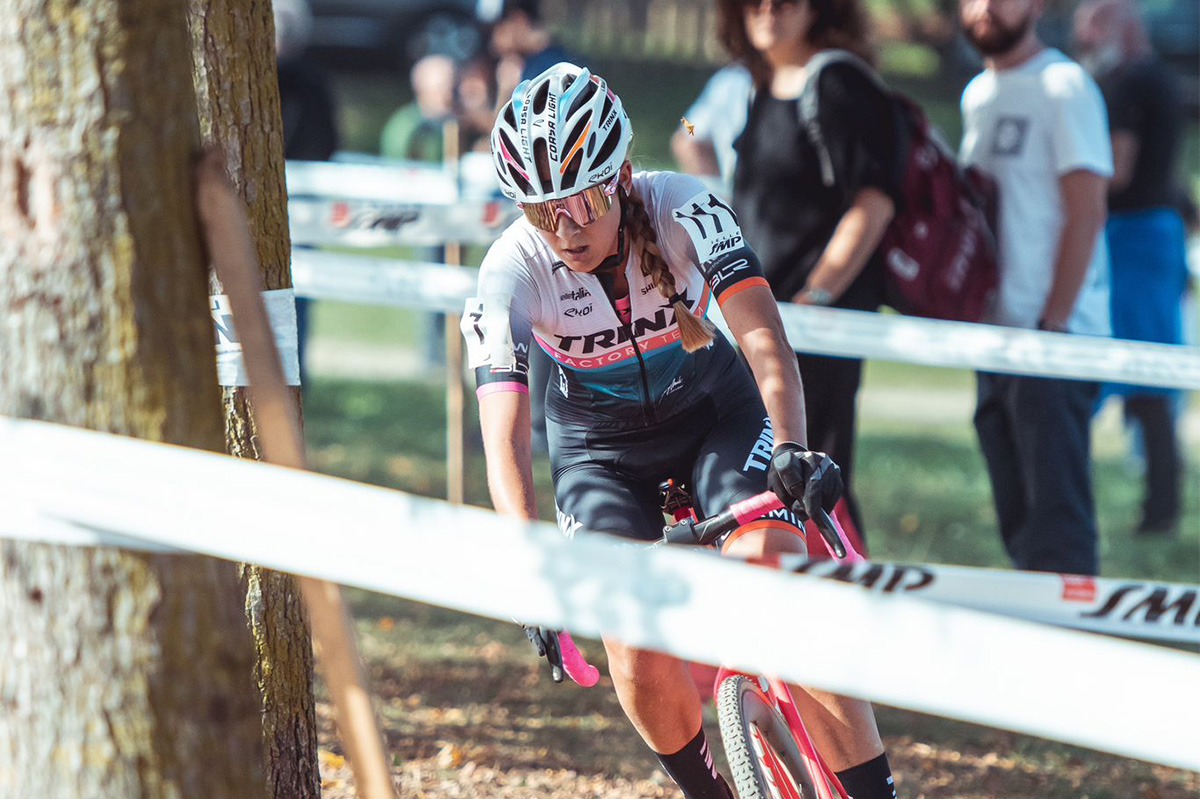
x: 759, y: 458
x: 567, y: 523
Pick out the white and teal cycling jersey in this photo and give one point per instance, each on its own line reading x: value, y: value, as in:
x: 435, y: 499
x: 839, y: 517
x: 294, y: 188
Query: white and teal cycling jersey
x: 632, y: 372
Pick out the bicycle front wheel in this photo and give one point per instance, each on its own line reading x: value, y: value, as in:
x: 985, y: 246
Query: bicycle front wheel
x: 765, y: 760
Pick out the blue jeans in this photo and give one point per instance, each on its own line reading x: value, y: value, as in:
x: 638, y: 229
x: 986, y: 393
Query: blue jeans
x: 1035, y: 435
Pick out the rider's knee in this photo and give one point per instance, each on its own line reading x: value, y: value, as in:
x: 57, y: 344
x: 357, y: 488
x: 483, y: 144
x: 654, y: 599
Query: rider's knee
x: 764, y: 540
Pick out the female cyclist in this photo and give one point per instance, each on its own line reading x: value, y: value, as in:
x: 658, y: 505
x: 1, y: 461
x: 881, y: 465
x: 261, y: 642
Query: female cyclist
x: 612, y: 274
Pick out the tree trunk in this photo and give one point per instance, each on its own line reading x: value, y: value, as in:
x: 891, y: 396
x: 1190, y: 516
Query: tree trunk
x: 121, y: 674
x: 233, y: 48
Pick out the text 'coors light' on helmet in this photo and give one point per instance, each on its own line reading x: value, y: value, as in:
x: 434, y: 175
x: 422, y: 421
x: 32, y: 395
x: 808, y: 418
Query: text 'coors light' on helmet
x: 559, y: 133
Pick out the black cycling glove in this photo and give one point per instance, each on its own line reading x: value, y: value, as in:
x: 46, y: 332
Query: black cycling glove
x: 545, y: 641
x: 803, y: 479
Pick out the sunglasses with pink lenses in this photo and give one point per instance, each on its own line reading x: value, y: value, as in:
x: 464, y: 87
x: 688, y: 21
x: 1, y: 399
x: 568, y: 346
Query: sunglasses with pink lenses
x: 583, y: 207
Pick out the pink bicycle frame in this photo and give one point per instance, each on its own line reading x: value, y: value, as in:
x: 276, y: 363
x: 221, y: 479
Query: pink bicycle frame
x: 828, y: 786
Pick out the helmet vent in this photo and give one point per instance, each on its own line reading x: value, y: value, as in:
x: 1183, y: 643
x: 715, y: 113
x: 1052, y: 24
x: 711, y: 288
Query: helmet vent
x: 591, y: 145
x: 541, y: 160
x: 539, y: 99
x: 512, y: 148
x: 585, y: 96
x: 610, y: 144
x: 519, y: 179
x: 607, y: 107
x: 509, y: 116
x: 571, y: 173
x: 576, y: 132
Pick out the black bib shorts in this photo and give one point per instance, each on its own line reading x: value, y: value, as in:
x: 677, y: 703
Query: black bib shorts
x: 606, y: 478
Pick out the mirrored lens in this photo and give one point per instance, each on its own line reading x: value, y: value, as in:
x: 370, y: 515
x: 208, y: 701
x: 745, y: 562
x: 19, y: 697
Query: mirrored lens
x: 584, y: 207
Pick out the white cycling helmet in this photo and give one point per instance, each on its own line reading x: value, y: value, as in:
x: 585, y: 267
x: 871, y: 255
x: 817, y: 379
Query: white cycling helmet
x: 565, y: 120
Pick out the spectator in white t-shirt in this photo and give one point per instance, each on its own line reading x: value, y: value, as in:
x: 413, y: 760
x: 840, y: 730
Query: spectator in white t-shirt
x: 1035, y: 121
x: 717, y: 118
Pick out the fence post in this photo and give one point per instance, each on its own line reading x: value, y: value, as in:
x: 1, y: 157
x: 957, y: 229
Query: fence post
x: 455, y: 391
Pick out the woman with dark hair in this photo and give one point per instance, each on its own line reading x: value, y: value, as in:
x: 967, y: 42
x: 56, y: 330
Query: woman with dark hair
x: 817, y: 238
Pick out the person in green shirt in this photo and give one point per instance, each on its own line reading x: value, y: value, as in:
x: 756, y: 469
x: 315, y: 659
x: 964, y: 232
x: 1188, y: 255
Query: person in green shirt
x: 414, y: 131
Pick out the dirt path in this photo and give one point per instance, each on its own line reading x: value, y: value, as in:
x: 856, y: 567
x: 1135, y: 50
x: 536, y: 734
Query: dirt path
x: 467, y: 713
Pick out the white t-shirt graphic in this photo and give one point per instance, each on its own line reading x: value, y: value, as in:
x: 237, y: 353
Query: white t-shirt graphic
x: 1027, y: 126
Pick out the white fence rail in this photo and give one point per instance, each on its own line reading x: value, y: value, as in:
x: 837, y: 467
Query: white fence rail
x: 72, y: 486
x: 823, y: 331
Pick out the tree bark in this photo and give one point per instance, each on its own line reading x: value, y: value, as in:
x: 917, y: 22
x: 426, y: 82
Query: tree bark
x: 233, y: 49
x: 121, y: 674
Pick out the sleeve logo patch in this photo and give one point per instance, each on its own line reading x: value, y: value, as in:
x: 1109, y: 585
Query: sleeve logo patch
x: 711, y: 225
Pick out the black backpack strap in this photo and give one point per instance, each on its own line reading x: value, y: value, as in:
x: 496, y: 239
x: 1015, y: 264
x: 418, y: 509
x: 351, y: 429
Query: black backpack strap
x: 808, y: 106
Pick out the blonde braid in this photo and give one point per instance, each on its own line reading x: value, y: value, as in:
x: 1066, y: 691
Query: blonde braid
x: 695, y: 332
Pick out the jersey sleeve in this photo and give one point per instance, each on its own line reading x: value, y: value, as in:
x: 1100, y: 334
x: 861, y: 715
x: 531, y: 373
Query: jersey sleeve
x: 700, y: 224
x: 498, y: 324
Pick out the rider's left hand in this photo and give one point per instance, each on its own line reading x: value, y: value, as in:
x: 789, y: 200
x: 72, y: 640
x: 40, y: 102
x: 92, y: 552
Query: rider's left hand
x: 803, y: 479
x: 545, y: 641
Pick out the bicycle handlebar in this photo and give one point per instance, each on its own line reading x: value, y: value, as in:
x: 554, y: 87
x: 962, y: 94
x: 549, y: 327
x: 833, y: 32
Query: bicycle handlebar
x: 690, y: 531
x: 697, y: 533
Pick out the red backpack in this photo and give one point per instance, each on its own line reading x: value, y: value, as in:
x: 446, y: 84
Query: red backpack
x: 940, y: 249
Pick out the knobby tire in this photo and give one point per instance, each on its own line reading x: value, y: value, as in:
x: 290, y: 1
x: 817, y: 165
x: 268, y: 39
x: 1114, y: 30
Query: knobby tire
x: 740, y: 704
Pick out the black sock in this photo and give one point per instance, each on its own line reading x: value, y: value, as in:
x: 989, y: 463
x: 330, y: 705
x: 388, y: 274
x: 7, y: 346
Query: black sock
x: 870, y: 780
x: 693, y: 771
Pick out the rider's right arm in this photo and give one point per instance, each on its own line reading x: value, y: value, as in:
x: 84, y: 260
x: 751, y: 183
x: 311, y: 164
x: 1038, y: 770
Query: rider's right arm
x: 504, y: 418
x: 498, y: 327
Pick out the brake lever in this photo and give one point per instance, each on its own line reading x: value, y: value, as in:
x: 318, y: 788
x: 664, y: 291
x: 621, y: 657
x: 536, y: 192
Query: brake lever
x: 554, y: 656
x: 829, y: 531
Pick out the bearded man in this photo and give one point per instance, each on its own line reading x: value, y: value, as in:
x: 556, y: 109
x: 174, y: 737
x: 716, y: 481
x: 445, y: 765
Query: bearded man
x: 1035, y: 121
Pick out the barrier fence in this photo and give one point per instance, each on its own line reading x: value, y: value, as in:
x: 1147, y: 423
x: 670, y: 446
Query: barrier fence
x: 70, y: 486
x: 823, y: 331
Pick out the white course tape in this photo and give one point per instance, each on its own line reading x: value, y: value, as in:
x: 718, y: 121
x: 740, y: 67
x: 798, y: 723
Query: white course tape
x: 281, y: 311
x: 381, y: 281
x: 1106, y: 694
x: 394, y: 182
x: 1132, y: 608
x: 823, y: 331
x: 890, y: 337
x: 369, y: 223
